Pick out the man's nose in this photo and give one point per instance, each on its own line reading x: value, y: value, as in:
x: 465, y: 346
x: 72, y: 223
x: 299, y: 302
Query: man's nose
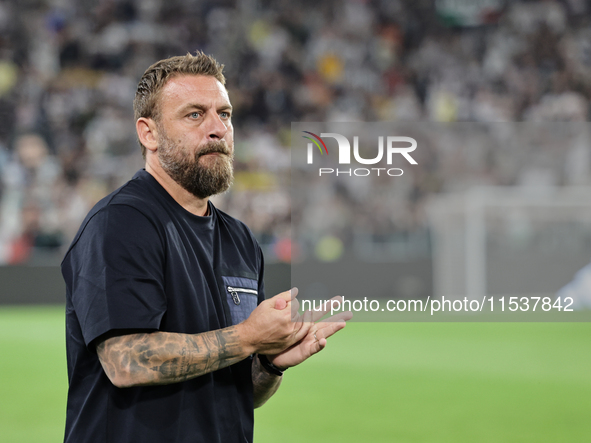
x: 216, y: 127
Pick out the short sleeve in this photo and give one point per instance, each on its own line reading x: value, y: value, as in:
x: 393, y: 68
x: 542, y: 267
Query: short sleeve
x: 261, y: 282
x: 115, y: 273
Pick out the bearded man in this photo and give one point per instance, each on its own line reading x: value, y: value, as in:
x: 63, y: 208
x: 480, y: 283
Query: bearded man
x: 169, y: 336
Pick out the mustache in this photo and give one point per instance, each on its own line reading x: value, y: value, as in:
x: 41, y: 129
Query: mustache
x: 220, y: 147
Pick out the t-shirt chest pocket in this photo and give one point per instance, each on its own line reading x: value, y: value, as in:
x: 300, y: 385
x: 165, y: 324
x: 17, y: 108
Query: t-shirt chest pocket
x: 241, y: 297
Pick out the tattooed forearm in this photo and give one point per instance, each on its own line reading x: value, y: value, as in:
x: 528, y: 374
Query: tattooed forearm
x: 163, y: 358
x: 264, y: 384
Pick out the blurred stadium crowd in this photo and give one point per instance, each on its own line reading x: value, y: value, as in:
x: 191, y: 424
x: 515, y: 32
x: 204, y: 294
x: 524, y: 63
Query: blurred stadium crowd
x: 69, y: 68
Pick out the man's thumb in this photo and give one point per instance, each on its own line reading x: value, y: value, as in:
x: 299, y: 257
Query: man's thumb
x: 281, y: 300
x: 280, y: 303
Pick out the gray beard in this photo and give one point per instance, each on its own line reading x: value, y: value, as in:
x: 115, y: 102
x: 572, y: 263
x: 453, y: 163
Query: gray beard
x: 201, y: 181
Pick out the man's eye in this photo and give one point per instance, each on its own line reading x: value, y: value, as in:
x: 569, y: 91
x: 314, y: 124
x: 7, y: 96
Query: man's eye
x: 225, y: 114
x: 195, y: 115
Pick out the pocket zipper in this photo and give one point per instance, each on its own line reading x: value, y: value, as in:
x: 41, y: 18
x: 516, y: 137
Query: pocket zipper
x: 234, y: 293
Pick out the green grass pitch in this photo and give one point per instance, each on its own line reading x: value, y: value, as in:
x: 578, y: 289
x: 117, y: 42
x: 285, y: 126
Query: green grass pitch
x: 375, y: 382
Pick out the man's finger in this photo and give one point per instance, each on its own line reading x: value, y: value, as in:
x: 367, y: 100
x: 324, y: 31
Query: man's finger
x: 282, y: 300
x: 326, y: 307
x: 308, y: 316
x: 304, y: 329
x: 295, y: 306
x: 341, y: 316
x: 325, y: 330
x: 319, y: 345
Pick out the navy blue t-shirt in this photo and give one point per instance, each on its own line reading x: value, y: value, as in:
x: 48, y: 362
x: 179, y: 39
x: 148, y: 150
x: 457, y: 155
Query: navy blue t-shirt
x: 141, y: 262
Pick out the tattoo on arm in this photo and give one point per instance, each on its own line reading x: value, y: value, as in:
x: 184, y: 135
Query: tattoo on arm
x: 264, y: 384
x: 162, y: 358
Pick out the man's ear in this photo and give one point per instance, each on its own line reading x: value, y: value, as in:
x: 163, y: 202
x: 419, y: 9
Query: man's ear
x: 147, y: 133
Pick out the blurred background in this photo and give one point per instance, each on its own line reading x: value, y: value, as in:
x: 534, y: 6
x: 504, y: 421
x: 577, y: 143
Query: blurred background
x: 68, y: 73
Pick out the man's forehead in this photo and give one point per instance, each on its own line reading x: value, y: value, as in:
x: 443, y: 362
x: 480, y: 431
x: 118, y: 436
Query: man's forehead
x: 192, y: 87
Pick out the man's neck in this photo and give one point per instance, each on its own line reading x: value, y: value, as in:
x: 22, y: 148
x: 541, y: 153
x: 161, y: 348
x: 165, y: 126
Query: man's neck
x: 195, y: 205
